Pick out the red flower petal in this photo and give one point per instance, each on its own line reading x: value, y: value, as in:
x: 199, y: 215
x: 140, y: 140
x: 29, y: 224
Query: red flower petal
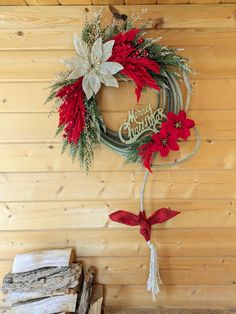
x: 164, y: 151
x: 189, y: 123
x: 173, y: 145
x: 146, y: 152
x: 184, y: 133
x: 182, y: 115
x: 171, y: 116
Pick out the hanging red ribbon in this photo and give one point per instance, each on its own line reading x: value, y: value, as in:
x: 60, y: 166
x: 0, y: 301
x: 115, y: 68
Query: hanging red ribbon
x: 159, y: 216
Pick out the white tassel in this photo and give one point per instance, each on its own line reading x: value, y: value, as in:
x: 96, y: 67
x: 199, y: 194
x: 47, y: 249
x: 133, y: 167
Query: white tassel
x: 154, y: 276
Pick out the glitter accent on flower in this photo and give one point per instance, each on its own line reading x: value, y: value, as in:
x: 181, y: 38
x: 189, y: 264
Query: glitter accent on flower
x: 91, y: 64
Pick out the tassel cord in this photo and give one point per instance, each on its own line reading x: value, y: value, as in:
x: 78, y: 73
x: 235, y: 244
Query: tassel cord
x: 154, y: 276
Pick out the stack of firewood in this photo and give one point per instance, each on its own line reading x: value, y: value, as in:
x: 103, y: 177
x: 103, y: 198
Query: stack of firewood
x: 47, y: 282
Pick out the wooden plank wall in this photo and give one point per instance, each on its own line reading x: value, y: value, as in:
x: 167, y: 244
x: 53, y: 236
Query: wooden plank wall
x: 47, y: 202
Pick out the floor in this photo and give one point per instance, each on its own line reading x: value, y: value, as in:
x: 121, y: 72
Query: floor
x: 163, y: 310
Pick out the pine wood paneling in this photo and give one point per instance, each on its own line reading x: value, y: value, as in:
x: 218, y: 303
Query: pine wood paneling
x: 47, y: 157
x: 82, y: 2
x: 188, y: 16
x: 13, y: 2
x: 15, y: 97
x: 106, y: 242
x: 53, y: 215
x: 46, y: 201
x: 43, y: 65
x: 42, y: 2
x: 40, y: 127
x: 189, y: 296
x: 61, y: 39
x: 174, y: 270
x: 75, y: 2
x: 218, y: 184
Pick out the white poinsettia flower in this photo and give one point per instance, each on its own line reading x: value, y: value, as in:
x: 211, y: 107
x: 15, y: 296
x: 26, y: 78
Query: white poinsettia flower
x: 92, y: 64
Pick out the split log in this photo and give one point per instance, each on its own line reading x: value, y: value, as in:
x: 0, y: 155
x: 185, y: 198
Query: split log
x: 96, y: 300
x: 42, y: 282
x: 16, y: 297
x: 40, y: 259
x: 63, y: 303
x: 86, y: 291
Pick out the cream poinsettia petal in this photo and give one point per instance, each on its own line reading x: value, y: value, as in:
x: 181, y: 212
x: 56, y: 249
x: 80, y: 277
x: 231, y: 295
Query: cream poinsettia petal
x: 109, y: 80
x: 96, y: 51
x: 94, y: 82
x: 78, y: 68
x: 70, y: 63
x: 86, y: 87
x: 111, y: 67
x: 75, y: 74
x: 81, y: 47
x: 107, y: 50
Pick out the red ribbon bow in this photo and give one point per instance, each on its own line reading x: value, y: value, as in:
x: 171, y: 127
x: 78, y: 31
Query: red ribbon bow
x: 159, y: 216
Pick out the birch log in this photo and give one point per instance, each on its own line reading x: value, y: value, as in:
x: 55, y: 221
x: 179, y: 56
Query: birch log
x: 63, y: 303
x: 86, y: 291
x: 96, y: 300
x: 42, y: 283
x: 39, y: 259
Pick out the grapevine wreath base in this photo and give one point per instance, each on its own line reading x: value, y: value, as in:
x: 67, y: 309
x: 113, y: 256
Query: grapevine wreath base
x: 121, y: 51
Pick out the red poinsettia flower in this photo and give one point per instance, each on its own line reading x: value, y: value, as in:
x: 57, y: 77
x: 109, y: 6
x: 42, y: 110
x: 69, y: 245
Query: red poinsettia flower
x: 178, y: 124
x: 164, y: 142
x: 146, y: 152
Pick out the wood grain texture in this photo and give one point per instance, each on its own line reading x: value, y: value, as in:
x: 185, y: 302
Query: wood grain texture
x: 13, y: 2
x: 195, y: 296
x: 42, y: 283
x: 86, y: 292
x: 47, y: 157
x: 195, y: 213
x: 55, y: 304
x: 75, y: 2
x: 198, y: 184
x: 126, y: 242
x: 46, y: 202
x: 96, y: 300
x: 165, y: 310
x: 82, y: 2
x: 62, y: 39
x: 184, y: 16
x: 42, y: 2
x: 43, y: 65
x: 41, y: 127
x: 174, y: 271
x: 40, y: 259
x: 15, y: 97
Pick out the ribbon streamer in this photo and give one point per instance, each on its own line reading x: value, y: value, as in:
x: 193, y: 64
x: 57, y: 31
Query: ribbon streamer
x: 159, y: 216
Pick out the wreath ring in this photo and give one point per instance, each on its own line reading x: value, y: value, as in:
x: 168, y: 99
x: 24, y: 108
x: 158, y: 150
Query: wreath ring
x: 120, y: 49
x: 172, y: 101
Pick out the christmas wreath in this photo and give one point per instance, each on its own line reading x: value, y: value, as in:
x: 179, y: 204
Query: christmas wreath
x: 105, y: 55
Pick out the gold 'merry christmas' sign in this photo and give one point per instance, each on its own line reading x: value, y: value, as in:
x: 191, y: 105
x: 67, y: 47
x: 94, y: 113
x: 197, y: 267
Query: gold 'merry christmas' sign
x: 139, y: 122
